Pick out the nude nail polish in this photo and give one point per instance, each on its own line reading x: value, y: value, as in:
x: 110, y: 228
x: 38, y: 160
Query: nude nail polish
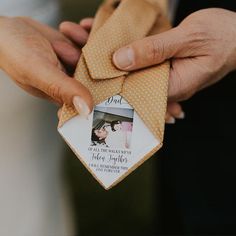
x: 170, y: 121
x: 81, y: 106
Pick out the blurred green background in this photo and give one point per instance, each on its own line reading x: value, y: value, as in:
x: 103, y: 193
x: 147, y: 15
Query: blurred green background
x: 127, y: 209
x: 75, y: 10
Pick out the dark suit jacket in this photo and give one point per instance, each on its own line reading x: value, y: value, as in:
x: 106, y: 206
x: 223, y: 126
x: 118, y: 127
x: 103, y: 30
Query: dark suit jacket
x: 197, y: 164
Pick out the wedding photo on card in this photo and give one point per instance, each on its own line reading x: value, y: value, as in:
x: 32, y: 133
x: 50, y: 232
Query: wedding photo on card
x: 111, y: 142
x: 111, y: 138
x: 112, y: 127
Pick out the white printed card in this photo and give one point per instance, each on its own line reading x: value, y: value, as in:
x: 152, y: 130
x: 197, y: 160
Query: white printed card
x: 111, y: 142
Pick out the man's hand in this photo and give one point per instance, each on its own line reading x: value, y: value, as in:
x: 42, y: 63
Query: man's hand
x: 36, y: 57
x: 202, y: 49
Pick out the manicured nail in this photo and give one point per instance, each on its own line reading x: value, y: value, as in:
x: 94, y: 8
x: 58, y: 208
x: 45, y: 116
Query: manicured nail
x: 124, y: 58
x: 59, y: 113
x: 181, y: 116
x: 170, y: 121
x: 81, y: 106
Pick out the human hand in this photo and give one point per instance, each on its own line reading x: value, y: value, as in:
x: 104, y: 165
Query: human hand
x: 71, y: 29
x: 36, y: 56
x: 202, y: 49
x: 174, y: 110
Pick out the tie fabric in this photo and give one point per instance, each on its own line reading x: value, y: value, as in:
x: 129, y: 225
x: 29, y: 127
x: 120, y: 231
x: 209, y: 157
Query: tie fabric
x: 118, y: 23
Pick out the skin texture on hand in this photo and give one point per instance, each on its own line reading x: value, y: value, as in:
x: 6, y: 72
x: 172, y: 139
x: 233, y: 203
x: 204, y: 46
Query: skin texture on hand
x: 35, y: 57
x: 202, y: 49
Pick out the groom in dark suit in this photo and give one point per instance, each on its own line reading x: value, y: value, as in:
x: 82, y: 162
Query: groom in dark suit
x: 197, y: 164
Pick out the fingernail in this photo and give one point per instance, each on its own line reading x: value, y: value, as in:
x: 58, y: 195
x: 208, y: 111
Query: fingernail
x: 170, y: 121
x: 59, y: 113
x: 124, y: 58
x: 81, y: 106
x: 181, y: 115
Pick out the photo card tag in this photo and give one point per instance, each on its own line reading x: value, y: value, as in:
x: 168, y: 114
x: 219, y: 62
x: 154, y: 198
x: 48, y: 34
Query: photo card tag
x: 111, y: 142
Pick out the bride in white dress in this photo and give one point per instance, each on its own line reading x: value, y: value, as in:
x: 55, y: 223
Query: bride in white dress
x: 33, y: 200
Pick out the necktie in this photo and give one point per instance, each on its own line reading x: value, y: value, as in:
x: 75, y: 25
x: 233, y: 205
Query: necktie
x: 116, y: 25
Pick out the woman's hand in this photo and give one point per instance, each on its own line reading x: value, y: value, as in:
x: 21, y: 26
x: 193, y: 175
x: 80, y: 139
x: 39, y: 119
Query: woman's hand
x: 36, y: 57
x: 202, y: 49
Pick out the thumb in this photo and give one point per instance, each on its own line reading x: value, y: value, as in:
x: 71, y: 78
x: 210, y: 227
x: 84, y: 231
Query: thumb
x: 149, y: 51
x: 64, y: 89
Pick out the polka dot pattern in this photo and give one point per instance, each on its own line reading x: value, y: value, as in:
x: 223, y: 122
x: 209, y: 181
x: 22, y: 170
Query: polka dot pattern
x: 122, y: 27
x: 145, y: 90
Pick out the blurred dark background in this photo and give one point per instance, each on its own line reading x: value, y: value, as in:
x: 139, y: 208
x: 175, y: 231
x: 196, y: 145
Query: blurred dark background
x: 74, y: 10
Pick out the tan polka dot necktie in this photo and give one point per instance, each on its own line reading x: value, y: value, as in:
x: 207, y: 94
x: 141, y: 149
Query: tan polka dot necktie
x: 117, y: 25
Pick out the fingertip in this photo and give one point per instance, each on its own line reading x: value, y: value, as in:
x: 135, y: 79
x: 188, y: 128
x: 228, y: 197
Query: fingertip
x: 123, y: 58
x: 81, y: 106
x: 175, y: 109
x: 169, y: 119
x: 89, y: 100
x: 74, y: 32
x: 87, y: 23
x: 64, y: 25
x: 79, y: 96
x: 84, y: 105
x: 181, y: 115
x: 59, y: 113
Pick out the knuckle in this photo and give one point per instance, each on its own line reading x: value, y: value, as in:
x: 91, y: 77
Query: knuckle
x: 197, y: 34
x: 62, y: 25
x: 155, y: 50
x: 54, y: 91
